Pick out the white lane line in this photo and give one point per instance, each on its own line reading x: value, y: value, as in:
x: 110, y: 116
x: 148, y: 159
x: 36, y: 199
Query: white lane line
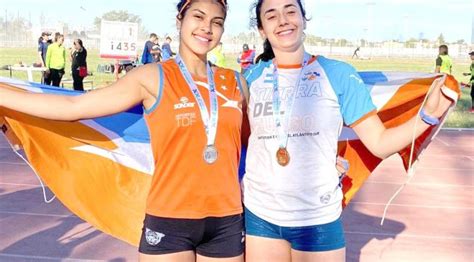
x: 37, y: 214
x: 442, y: 156
x: 408, y: 205
x: 410, y: 236
x: 16, y: 184
x: 438, y: 185
x: 13, y: 163
x: 457, y: 129
x: 35, y: 258
x: 433, y: 168
x: 442, y: 142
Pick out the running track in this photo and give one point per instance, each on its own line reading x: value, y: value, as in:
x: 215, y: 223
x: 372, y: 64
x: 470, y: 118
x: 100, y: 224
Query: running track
x: 431, y: 220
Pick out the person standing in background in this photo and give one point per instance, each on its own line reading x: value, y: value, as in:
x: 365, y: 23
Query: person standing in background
x: 356, y: 53
x: 79, y: 65
x: 444, y: 63
x: 471, y: 81
x: 148, y: 52
x: 246, y: 58
x: 43, y: 44
x: 216, y: 56
x: 156, y: 51
x: 166, y: 52
x: 55, y: 61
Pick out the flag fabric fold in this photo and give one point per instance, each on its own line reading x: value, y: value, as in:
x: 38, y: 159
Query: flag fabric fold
x: 398, y: 97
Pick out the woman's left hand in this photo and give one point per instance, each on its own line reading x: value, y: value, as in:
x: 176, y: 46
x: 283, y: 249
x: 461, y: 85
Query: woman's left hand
x: 437, y: 103
x: 342, y: 165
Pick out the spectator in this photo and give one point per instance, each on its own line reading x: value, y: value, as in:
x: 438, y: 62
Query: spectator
x: 216, y: 56
x: 147, y: 56
x: 246, y: 58
x: 43, y: 47
x: 79, y: 64
x: 55, y: 61
x: 471, y: 81
x: 356, y: 53
x: 166, y: 52
x: 43, y: 44
x: 444, y: 63
x: 156, y: 50
x: 56, y: 35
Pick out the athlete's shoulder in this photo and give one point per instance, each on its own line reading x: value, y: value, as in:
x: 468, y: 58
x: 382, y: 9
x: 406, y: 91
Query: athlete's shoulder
x: 170, y: 63
x: 332, y: 64
x: 226, y: 73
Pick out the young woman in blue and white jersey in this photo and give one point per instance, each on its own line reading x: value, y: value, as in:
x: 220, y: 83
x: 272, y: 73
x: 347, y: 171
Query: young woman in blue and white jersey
x: 297, y: 105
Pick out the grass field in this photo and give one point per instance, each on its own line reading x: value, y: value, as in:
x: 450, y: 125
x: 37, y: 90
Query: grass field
x: 460, y: 118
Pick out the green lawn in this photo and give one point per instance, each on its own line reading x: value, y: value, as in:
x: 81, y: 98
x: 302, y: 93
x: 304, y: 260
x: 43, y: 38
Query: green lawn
x: 459, y: 118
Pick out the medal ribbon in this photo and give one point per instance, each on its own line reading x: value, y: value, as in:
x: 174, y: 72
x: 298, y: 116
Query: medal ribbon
x: 277, y: 116
x: 209, y: 119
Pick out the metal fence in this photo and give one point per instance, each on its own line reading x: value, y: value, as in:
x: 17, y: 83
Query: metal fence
x: 235, y: 47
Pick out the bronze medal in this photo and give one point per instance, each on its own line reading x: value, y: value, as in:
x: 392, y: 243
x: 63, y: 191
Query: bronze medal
x: 283, y: 157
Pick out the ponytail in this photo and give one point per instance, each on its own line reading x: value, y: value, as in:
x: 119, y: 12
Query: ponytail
x: 267, y: 54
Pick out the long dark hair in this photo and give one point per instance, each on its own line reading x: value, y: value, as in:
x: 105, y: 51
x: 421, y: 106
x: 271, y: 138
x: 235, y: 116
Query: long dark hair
x: 184, y: 5
x: 256, y: 21
x: 443, y: 49
x: 79, y: 41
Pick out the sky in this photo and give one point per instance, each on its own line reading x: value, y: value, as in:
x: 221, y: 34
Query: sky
x: 375, y: 20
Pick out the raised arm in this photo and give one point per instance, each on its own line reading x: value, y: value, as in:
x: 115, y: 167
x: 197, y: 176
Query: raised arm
x: 40, y: 54
x: 384, y: 142
x: 136, y: 87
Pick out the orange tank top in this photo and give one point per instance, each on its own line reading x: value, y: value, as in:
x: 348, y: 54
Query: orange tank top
x: 183, y: 184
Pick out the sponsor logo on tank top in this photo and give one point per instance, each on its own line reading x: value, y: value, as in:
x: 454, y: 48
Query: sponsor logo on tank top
x: 184, y: 103
x: 186, y: 119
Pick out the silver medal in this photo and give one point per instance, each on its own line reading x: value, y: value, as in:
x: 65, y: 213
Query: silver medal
x: 210, y: 154
x: 209, y: 117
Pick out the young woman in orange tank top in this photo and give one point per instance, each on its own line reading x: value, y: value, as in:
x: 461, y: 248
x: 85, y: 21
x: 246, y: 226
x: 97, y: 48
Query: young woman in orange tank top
x: 194, y: 115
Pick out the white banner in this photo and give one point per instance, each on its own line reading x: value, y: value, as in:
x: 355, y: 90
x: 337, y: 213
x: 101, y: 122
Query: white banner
x: 118, y: 40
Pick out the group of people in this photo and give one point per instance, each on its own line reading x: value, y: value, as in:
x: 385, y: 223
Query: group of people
x: 154, y: 53
x: 53, y: 55
x: 291, y: 190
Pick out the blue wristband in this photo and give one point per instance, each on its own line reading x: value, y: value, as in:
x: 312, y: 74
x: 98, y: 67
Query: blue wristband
x: 430, y: 120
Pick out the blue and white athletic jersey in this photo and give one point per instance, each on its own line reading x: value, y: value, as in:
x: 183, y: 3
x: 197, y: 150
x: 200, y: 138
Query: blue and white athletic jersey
x: 306, y: 191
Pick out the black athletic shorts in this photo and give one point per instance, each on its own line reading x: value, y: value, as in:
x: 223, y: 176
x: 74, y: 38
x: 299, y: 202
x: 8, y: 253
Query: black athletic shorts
x: 217, y: 237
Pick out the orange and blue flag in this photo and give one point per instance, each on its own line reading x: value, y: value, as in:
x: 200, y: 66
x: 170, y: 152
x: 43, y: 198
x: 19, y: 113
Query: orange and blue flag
x: 101, y: 168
